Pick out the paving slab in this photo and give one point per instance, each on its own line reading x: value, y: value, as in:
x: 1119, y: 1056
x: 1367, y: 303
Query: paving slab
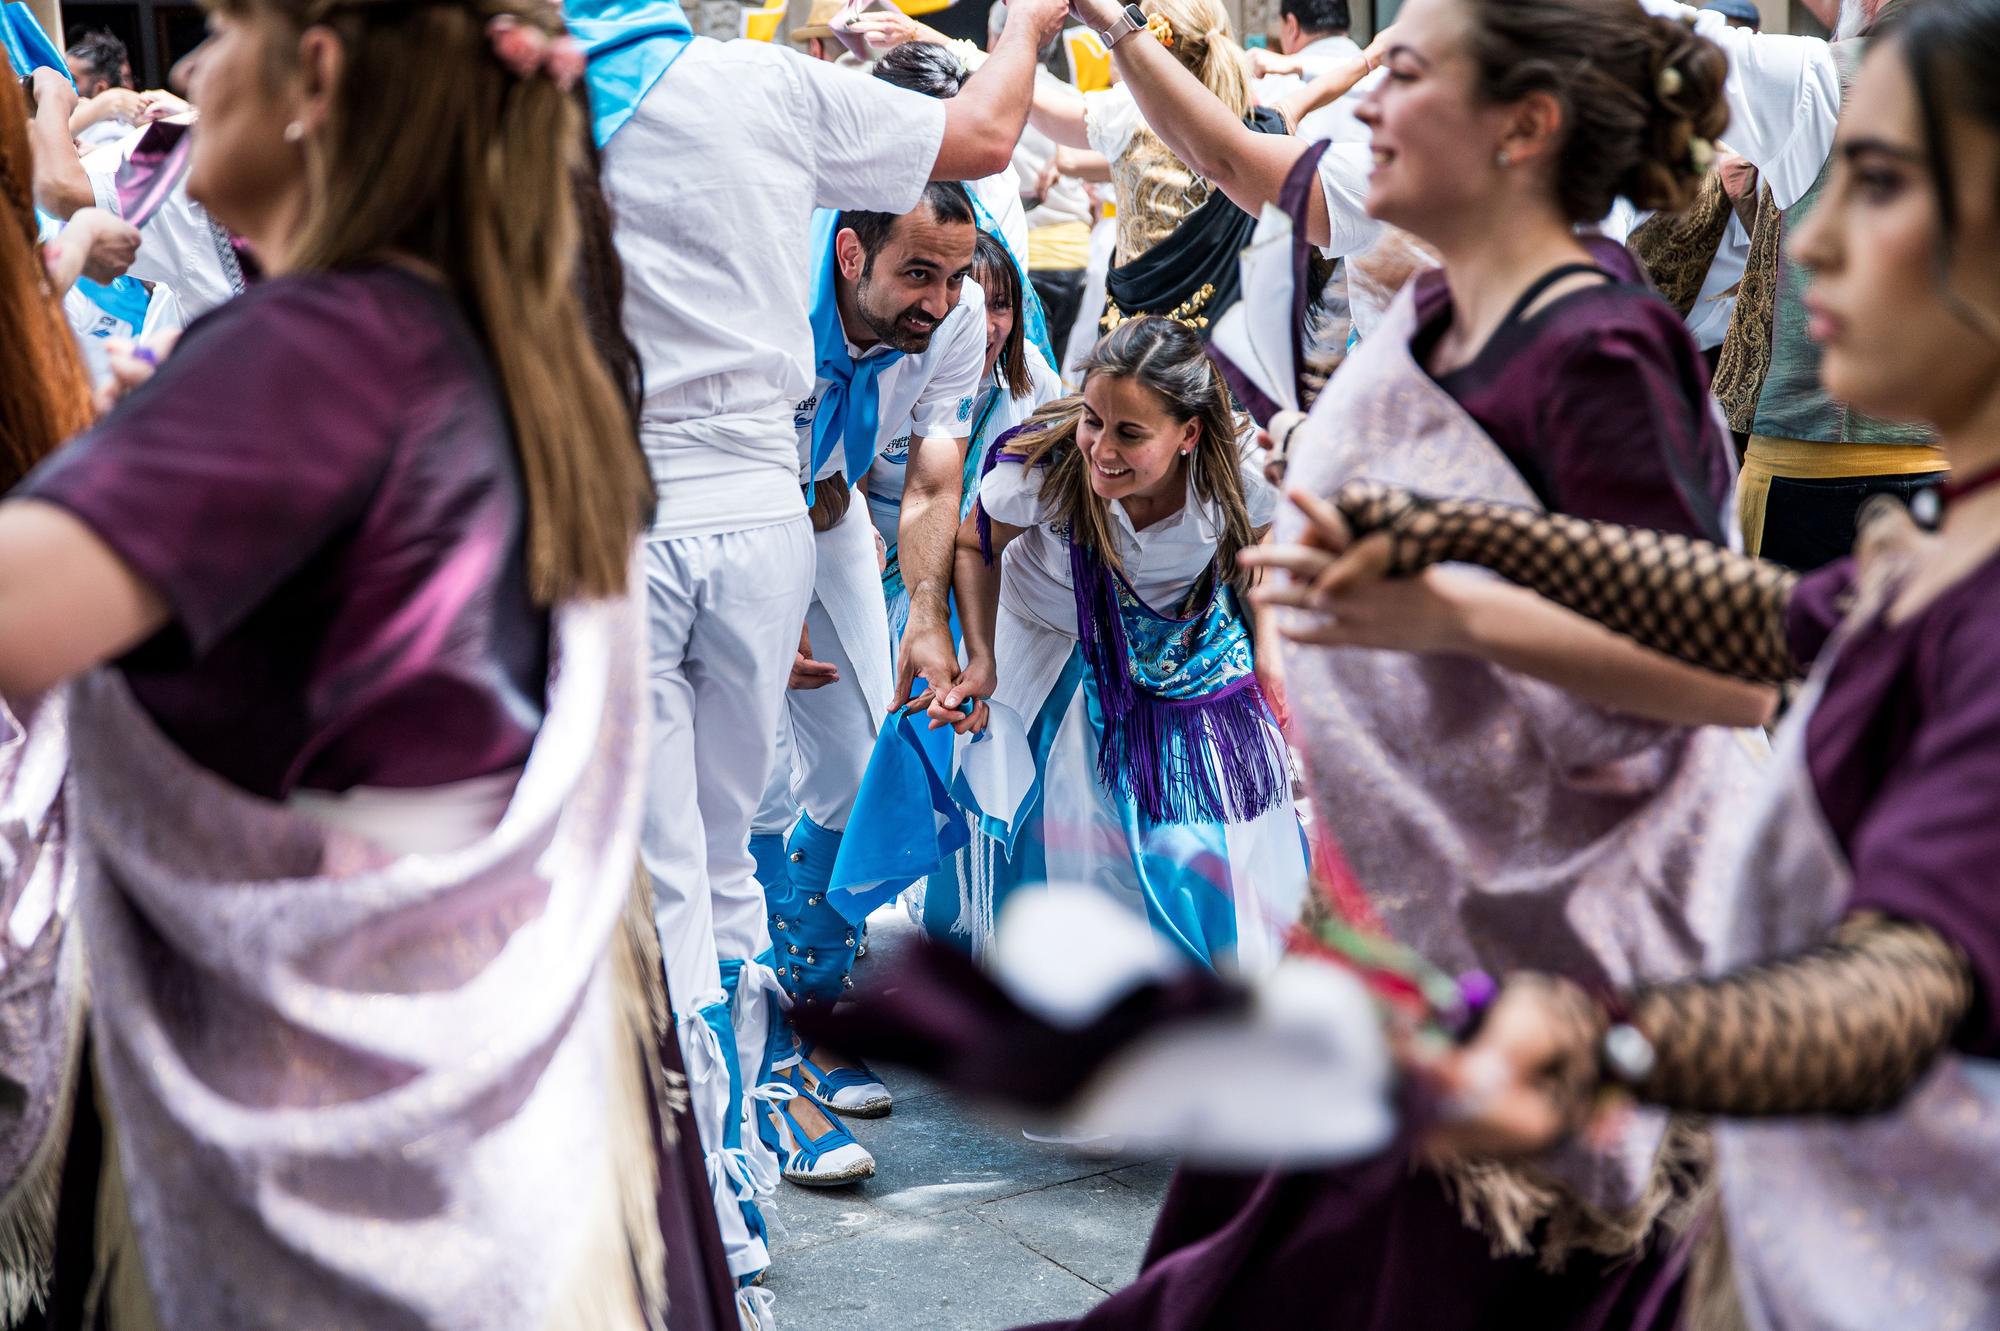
x: 950, y: 1272
x: 1093, y: 1227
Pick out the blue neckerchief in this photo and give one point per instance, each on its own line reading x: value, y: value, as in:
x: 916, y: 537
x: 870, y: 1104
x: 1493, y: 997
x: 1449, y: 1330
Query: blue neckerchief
x: 126, y: 298
x: 1034, y: 322
x: 123, y: 298
x: 849, y: 411
x: 630, y: 44
x: 28, y: 45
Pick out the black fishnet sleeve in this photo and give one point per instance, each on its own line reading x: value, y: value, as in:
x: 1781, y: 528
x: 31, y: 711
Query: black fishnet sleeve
x: 1846, y: 1028
x: 1687, y: 598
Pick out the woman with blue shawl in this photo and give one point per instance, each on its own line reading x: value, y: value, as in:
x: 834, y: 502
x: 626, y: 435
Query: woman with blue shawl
x: 1100, y: 599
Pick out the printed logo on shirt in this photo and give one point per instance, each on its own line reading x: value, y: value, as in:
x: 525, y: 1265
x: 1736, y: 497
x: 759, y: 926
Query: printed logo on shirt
x: 964, y: 410
x: 802, y: 415
x: 897, y: 450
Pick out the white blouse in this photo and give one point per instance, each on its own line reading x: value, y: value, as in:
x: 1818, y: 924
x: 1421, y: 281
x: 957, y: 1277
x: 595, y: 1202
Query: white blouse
x: 1161, y: 561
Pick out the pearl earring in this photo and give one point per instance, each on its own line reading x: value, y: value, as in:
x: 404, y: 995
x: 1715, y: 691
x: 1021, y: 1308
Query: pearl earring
x: 295, y: 131
x: 1503, y: 159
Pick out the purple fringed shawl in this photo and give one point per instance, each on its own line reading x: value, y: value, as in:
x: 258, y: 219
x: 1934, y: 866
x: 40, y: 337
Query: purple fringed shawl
x: 1187, y: 735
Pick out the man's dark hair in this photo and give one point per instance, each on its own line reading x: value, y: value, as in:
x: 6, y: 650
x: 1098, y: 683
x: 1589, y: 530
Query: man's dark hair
x: 100, y: 52
x: 946, y: 200
x: 1321, y: 18
x: 922, y: 67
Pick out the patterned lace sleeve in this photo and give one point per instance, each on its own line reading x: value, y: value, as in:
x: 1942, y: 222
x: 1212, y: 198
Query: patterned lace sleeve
x: 1846, y: 1028
x: 1684, y: 597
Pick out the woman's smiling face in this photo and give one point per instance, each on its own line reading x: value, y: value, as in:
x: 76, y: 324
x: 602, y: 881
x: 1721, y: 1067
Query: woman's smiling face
x: 1132, y: 445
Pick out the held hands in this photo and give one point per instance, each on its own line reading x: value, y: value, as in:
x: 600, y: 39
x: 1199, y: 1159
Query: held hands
x: 110, y: 244
x: 883, y: 29
x: 975, y: 685
x: 927, y: 651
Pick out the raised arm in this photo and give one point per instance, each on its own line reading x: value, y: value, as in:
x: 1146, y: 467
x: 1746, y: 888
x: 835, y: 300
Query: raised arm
x: 1250, y: 168
x: 1692, y: 600
x: 984, y: 122
x: 60, y: 183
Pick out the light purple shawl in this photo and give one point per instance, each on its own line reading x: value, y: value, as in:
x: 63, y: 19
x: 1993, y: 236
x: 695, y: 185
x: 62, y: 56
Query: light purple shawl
x: 1498, y: 822
x: 41, y: 990
x: 360, y: 1090
x: 1838, y: 1225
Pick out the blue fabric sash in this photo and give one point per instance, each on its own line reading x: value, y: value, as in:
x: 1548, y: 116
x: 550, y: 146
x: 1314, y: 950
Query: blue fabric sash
x: 630, y: 44
x: 27, y: 42
x: 1034, y: 320
x: 1187, y: 735
x: 849, y: 412
x: 906, y: 820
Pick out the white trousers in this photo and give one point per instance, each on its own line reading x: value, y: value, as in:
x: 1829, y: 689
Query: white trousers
x: 723, y: 616
x: 824, y: 742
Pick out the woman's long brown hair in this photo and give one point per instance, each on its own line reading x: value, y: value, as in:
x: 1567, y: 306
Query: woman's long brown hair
x: 44, y: 394
x: 1168, y: 360
x: 434, y: 150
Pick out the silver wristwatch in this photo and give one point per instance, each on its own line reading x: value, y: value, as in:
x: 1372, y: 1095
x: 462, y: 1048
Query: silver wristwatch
x: 1625, y: 1055
x: 1128, y: 23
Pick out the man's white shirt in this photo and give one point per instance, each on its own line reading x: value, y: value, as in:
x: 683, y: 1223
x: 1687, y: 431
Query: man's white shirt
x: 928, y: 394
x: 712, y: 218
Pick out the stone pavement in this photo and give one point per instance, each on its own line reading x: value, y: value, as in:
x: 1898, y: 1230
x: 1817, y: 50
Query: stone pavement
x: 966, y: 1226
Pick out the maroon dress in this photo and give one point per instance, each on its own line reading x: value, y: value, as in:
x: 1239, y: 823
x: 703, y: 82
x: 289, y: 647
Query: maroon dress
x: 320, y: 483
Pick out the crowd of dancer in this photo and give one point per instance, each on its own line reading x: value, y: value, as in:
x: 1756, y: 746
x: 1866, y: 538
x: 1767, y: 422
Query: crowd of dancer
x: 525, y: 526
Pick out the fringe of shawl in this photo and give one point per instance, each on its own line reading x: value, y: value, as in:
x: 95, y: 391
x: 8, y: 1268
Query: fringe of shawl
x: 28, y: 1209
x: 1523, y: 1212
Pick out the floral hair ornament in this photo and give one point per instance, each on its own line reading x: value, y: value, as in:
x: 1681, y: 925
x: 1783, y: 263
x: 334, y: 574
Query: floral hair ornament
x: 527, y: 51
x: 1162, y: 29
x: 1670, y: 82
x: 1701, y: 153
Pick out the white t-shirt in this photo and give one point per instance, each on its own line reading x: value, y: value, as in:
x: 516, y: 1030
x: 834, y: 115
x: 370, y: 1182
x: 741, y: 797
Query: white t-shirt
x: 927, y: 394
x: 1315, y: 58
x: 1343, y: 178
x: 886, y: 477
x: 712, y: 185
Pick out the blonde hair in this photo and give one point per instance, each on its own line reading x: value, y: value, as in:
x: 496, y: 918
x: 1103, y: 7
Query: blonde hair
x: 436, y: 150
x: 1203, y: 43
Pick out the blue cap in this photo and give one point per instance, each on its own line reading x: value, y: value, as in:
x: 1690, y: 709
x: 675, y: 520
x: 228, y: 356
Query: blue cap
x: 1740, y: 10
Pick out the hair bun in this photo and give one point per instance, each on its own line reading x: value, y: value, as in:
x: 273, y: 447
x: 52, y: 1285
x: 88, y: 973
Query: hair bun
x: 1685, y: 114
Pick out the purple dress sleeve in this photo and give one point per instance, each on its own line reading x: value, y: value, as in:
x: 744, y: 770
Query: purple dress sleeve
x: 1619, y: 440
x: 259, y: 438
x: 1926, y: 847
x: 1819, y: 601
